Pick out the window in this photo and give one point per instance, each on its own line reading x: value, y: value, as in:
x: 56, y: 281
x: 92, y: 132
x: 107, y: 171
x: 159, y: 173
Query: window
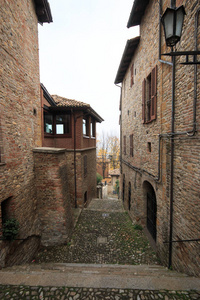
x: 85, y: 127
x: 92, y: 128
x: 131, y: 145
x: 149, y: 97
x: 57, y: 123
x: 62, y: 124
x: 132, y: 75
x: 48, y: 122
x: 124, y: 144
x: 85, y: 165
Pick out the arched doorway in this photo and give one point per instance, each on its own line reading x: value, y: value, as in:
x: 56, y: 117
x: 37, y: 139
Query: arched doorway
x: 151, y: 209
x: 123, y: 189
x: 85, y: 198
x: 129, y: 196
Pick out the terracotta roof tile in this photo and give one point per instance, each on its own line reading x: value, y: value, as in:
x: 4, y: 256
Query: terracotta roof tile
x: 64, y: 102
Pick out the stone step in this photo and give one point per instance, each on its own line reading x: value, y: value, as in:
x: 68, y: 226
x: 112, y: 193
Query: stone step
x: 147, y: 277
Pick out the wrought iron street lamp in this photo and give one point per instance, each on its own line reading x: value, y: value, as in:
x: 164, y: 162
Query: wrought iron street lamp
x: 172, y: 21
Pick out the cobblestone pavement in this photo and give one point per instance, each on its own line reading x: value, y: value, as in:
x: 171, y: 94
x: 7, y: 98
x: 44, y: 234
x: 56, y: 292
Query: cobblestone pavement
x: 61, y: 293
x: 104, y: 234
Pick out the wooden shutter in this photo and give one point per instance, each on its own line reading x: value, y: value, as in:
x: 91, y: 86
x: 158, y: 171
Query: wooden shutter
x: 143, y: 99
x: 153, y: 93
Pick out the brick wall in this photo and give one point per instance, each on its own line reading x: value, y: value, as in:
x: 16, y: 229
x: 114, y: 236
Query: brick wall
x: 138, y: 170
x: 54, y: 207
x: 20, y: 119
x: 84, y: 183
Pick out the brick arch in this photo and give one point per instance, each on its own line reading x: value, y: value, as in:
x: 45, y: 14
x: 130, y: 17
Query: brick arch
x: 151, y: 208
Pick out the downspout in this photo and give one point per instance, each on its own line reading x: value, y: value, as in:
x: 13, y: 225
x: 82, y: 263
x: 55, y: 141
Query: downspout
x: 75, y: 190
x: 172, y: 164
x: 195, y: 73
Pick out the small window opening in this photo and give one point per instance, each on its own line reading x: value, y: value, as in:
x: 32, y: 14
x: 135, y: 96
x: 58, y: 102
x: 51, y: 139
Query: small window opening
x: 149, y: 146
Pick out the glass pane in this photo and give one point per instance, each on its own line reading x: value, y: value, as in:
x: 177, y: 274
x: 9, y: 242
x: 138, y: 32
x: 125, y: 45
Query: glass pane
x: 168, y: 20
x: 60, y: 129
x: 48, y: 123
x: 91, y: 129
x: 62, y: 124
x: 84, y: 127
x: 179, y: 21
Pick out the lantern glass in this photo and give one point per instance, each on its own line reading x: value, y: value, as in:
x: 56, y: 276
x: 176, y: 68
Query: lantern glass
x: 172, y: 20
x: 168, y: 22
x: 180, y: 12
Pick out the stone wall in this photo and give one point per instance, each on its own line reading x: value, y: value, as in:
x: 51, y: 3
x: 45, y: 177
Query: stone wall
x: 20, y: 120
x: 143, y: 167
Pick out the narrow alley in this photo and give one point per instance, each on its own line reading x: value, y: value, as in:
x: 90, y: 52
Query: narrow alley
x: 104, y: 235
x: 108, y: 257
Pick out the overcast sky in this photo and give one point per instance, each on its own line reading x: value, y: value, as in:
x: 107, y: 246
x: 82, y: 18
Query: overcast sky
x: 80, y: 53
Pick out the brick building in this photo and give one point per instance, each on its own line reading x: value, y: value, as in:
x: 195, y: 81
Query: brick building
x: 71, y: 125
x: 20, y: 123
x: 160, y: 157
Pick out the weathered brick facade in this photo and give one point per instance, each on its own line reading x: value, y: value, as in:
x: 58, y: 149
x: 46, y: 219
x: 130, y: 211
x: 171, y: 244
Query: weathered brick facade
x: 146, y: 185
x: 38, y: 184
x: 80, y: 146
x: 20, y: 126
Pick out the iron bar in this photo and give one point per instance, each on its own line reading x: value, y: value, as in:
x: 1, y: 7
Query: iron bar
x: 172, y: 163
x: 180, y: 53
x: 182, y: 241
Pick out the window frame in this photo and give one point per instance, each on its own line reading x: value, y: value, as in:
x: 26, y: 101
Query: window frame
x: 92, y: 129
x: 54, y: 123
x: 87, y: 134
x: 149, y: 97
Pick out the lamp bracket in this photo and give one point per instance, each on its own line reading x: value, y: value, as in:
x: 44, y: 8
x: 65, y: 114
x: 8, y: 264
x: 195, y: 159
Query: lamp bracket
x: 186, y: 54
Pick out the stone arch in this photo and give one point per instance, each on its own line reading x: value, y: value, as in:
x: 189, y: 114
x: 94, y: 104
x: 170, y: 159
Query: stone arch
x: 151, y: 208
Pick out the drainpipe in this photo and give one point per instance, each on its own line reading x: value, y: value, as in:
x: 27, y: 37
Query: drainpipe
x: 75, y: 190
x: 195, y: 72
x: 172, y: 164
x: 75, y: 186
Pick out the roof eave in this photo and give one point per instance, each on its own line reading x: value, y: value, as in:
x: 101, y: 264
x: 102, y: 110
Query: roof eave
x: 86, y: 108
x: 137, y: 12
x: 47, y: 95
x: 43, y: 11
x: 129, y: 50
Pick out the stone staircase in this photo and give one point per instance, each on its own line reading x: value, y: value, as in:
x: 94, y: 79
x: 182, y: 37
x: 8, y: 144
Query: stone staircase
x: 143, y: 277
